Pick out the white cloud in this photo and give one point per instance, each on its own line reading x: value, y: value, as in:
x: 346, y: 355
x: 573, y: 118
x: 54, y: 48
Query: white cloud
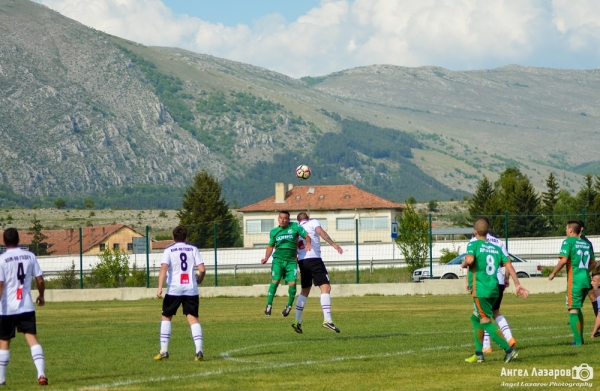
x: 341, y: 34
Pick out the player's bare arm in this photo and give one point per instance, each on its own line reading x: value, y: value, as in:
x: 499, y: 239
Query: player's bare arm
x: 268, y: 253
x: 468, y: 261
x: 322, y: 233
x: 307, y: 245
x: 41, y: 286
x: 1, y: 288
x: 562, y: 261
x: 161, y: 278
x: 519, y: 289
x: 201, y: 273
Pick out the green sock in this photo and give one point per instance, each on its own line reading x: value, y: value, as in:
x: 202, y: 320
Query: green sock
x: 292, y: 292
x: 271, y: 293
x: 575, y: 327
x: 477, y: 334
x: 496, y: 335
x: 580, y: 316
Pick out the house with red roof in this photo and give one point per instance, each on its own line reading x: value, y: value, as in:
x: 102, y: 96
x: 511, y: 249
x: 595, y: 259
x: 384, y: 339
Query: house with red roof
x: 339, y: 208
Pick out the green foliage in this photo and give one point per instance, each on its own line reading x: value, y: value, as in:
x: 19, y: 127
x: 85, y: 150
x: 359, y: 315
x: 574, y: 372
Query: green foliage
x: 89, y: 203
x: 37, y: 246
x: 111, y: 272
x: 66, y: 279
x: 432, y: 205
x: 162, y: 214
x: 203, y: 210
x: 448, y: 255
x: 413, y: 238
x: 137, y: 276
x: 60, y: 203
x: 311, y: 81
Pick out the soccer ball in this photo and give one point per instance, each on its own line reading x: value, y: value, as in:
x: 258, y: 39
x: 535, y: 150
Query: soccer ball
x: 303, y: 172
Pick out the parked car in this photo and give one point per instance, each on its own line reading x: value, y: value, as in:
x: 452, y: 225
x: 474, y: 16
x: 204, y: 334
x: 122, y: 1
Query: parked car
x: 452, y: 269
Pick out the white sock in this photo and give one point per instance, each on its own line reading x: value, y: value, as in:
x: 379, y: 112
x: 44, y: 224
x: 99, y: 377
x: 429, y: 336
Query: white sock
x: 503, y: 326
x: 197, y: 336
x: 486, y: 340
x: 38, y: 359
x: 326, y: 305
x: 165, y: 334
x: 300, y: 303
x: 4, y: 359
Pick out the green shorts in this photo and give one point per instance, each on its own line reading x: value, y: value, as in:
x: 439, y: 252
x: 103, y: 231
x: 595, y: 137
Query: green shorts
x: 286, y: 270
x: 483, y: 307
x: 576, y: 296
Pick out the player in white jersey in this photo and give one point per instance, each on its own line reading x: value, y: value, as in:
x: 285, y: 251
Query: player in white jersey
x: 503, y: 283
x: 17, y: 268
x: 177, y: 264
x: 312, y: 269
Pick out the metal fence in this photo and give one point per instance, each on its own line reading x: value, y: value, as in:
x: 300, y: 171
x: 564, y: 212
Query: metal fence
x: 371, y: 249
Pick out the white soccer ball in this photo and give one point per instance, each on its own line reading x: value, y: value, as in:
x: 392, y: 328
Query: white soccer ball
x: 303, y: 172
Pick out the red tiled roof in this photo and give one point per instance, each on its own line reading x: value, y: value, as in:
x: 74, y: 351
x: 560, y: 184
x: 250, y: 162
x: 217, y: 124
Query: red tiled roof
x: 161, y: 244
x: 66, y: 241
x: 329, y: 197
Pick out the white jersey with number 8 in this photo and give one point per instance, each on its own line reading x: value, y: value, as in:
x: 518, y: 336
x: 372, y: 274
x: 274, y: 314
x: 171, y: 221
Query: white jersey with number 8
x: 182, y: 259
x: 17, y: 268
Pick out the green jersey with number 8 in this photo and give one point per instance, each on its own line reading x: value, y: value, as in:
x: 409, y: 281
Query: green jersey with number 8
x: 579, y: 254
x: 483, y: 281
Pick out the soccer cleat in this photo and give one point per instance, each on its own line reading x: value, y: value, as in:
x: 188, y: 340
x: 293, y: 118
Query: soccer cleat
x: 286, y: 311
x: 161, y: 356
x: 576, y: 344
x: 297, y: 327
x: 476, y: 358
x: 511, y: 355
x: 331, y: 327
x: 199, y: 357
x: 597, y: 334
x: 512, y: 342
x: 268, y: 310
x: 487, y: 350
x: 43, y: 381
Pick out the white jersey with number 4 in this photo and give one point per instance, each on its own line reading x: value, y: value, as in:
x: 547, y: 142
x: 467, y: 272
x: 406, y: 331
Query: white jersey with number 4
x: 310, y: 226
x: 17, y: 268
x: 182, y: 259
x: 499, y: 243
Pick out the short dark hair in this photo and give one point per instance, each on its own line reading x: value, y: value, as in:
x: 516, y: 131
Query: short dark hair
x: 285, y: 212
x: 11, y: 237
x: 302, y: 216
x: 180, y: 233
x: 575, y: 225
x: 581, y: 224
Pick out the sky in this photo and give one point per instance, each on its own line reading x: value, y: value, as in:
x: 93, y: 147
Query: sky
x: 317, y: 37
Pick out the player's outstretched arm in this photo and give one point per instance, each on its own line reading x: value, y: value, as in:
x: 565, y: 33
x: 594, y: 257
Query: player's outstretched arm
x: 322, y: 233
x: 519, y: 289
x: 268, y: 253
x: 161, y: 278
x: 562, y: 261
x: 41, y: 286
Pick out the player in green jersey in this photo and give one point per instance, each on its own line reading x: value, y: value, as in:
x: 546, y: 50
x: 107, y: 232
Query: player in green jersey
x: 483, y: 260
x: 284, y: 240
x: 579, y: 258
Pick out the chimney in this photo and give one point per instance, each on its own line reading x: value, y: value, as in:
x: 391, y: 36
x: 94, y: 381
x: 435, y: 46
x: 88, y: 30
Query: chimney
x: 290, y: 186
x: 279, y: 192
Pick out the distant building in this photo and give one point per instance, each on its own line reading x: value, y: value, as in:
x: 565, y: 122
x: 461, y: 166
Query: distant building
x: 337, y: 207
x: 96, y: 239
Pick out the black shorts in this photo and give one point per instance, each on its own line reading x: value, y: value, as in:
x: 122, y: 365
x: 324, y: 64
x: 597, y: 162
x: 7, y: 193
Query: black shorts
x: 313, y: 270
x: 23, y: 323
x: 189, y: 303
x: 496, y: 306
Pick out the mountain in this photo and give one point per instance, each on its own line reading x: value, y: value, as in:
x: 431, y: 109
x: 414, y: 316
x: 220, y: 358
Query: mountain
x: 86, y: 114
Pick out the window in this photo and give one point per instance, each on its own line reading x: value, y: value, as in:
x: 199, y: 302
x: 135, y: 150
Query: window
x: 374, y: 223
x: 323, y: 222
x: 129, y: 246
x: 344, y: 224
x: 115, y: 246
x: 259, y: 226
x: 102, y: 246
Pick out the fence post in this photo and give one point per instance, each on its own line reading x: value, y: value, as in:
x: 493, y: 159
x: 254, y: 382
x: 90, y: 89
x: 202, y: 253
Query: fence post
x: 506, y: 229
x: 430, y: 249
x: 215, y: 241
x: 80, y: 258
x: 147, y: 258
x: 356, y: 238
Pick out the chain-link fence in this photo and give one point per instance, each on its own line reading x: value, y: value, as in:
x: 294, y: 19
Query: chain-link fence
x: 118, y: 256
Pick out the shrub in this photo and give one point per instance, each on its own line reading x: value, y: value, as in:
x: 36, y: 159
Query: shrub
x: 137, y: 277
x: 67, y: 279
x: 111, y: 272
x: 448, y: 255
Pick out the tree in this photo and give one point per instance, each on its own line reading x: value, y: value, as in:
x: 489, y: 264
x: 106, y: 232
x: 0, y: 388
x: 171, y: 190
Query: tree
x: 432, y: 205
x: 111, y: 272
x: 60, y: 203
x: 38, y: 247
x: 478, y: 204
x: 413, y: 238
x: 549, y: 200
x: 202, y: 208
x: 89, y: 203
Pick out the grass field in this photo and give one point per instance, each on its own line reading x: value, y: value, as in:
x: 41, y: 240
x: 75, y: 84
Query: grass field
x: 386, y: 343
